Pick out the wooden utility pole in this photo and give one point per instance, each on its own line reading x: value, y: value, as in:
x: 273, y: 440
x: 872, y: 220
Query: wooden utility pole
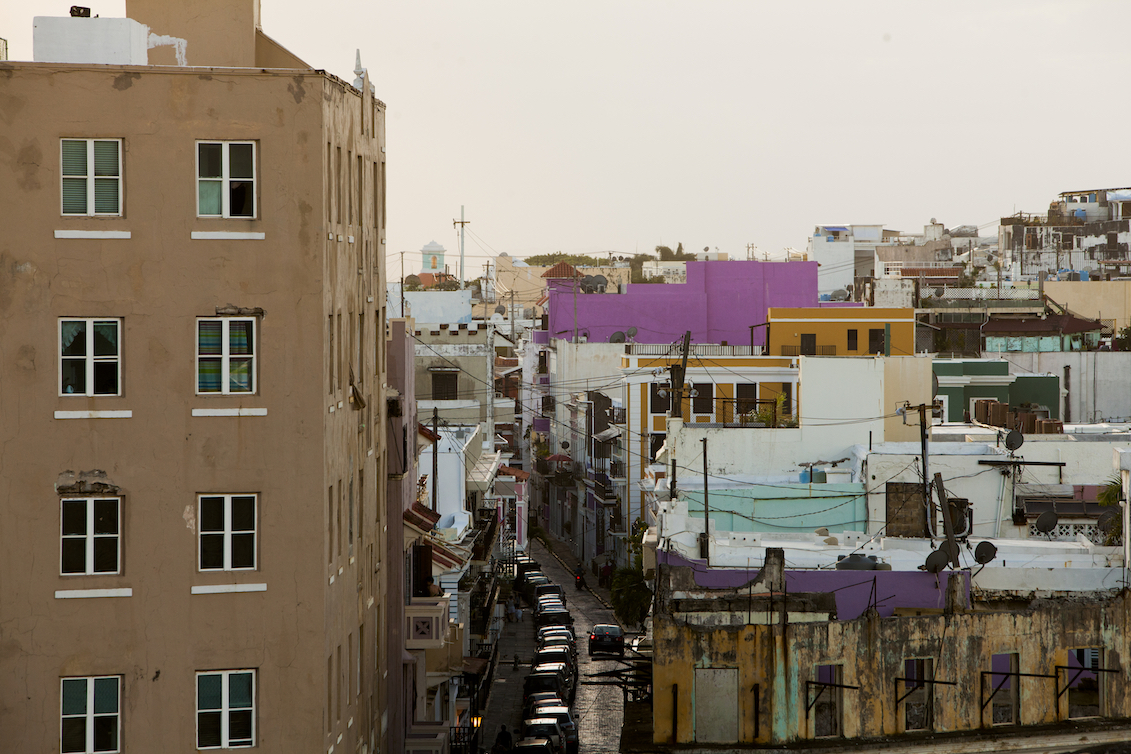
x: 435, y: 453
x: 461, y: 223
x: 677, y: 399
x: 706, y: 508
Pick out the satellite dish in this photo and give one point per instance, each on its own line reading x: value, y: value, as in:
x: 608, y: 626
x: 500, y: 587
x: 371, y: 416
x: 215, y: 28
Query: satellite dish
x: 631, y: 332
x: 500, y: 309
x: 832, y: 541
x: 617, y: 337
x: 1014, y: 440
x: 1046, y: 522
x: 938, y: 292
x: 935, y: 386
x: 822, y: 532
x: 565, y: 444
x: 937, y: 561
x: 950, y: 549
x: 600, y: 280
x: 985, y: 552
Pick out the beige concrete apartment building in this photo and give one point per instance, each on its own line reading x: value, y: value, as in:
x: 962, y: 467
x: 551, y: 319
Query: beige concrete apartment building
x: 192, y: 489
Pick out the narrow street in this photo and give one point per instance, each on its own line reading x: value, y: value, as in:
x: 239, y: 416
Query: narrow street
x: 598, y: 710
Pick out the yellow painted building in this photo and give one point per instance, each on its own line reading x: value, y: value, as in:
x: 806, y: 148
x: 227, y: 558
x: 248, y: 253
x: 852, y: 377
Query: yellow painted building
x: 840, y: 331
x: 733, y: 668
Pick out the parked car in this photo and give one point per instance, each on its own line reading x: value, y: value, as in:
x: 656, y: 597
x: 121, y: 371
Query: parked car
x: 563, y: 671
x: 606, y: 638
x: 549, y: 601
x: 557, y: 654
x: 550, y: 680
x: 531, y: 581
x: 541, y: 699
x: 545, y: 727
x: 553, y: 618
x: 534, y: 746
x: 559, y: 640
x: 565, y: 719
x: 548, y: 630
x: 542, y: 589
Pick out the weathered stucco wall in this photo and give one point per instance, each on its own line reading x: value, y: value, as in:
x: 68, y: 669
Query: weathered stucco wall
x: 870, y: 652
x: 158, y: 281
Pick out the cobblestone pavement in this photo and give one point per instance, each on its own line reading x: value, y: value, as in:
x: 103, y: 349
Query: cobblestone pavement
x: 598, y: 710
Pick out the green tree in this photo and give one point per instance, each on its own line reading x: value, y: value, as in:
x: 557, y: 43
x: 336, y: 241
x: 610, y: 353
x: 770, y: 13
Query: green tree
x: 630, y: 595
x: 577, y: 260
x: 1110, y: 495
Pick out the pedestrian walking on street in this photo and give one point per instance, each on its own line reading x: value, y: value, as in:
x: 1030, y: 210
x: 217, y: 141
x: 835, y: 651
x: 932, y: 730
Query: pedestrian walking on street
x: 503, y: 741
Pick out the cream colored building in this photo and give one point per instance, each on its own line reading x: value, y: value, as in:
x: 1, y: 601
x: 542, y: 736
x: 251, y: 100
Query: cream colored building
x: 193, y: 328
x: 518, y: 287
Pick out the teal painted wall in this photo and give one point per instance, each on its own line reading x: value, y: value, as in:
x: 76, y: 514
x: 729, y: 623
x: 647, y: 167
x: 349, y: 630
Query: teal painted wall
x: 784, y: 507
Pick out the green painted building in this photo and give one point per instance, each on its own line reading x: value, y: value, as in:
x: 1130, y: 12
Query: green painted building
x: 963, y: 381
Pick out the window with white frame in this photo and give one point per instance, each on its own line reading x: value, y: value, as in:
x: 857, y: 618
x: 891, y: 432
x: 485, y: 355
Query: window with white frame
x: 225, y: 179
x: 90, y: 357
x: 90, y: 714
x: 227, y: 532
x: 225, y: 709
x: 91, y: 176
x: 225, y: 355
x: 91, y: 535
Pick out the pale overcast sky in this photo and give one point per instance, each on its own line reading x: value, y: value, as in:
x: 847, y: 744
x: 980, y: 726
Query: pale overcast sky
x: 616, y: 126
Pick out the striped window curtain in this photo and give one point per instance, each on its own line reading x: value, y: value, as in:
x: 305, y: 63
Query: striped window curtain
x: 209, y: 339
x: 241, y: 349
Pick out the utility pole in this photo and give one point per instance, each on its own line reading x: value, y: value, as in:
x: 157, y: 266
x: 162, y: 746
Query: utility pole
x: 435, y: 453
x: 677, y: 399
x: 402, y: 286
x: 928, y: 501
x: 461, y: 223
x: 706, y: 507
x: 512, y: 316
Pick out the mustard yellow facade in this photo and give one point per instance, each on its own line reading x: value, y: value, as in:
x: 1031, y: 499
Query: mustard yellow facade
x: 840, y: 331
x: 775, y: 670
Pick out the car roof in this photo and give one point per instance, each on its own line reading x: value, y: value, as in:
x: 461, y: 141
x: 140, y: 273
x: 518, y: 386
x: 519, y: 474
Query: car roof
x: 540, y: 721
x: 551, y: 709
x: 607, y: 625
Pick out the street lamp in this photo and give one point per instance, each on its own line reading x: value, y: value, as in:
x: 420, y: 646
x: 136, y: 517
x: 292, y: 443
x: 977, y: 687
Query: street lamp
x: 476, y: 721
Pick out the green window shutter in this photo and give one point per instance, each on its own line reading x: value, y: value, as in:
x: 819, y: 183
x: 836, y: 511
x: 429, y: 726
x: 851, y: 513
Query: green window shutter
x: 74, y: 158
x: 106, y: 158
x: 106, y: 196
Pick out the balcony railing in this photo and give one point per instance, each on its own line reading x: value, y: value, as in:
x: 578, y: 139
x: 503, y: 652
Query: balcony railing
x: 617, y: 415
x: 818, y: 351
x: 697, y: 349
x: 617, y: 470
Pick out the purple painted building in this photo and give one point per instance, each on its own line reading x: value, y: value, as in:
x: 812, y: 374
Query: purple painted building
x: 855, y: 591
x: 718, y: 303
